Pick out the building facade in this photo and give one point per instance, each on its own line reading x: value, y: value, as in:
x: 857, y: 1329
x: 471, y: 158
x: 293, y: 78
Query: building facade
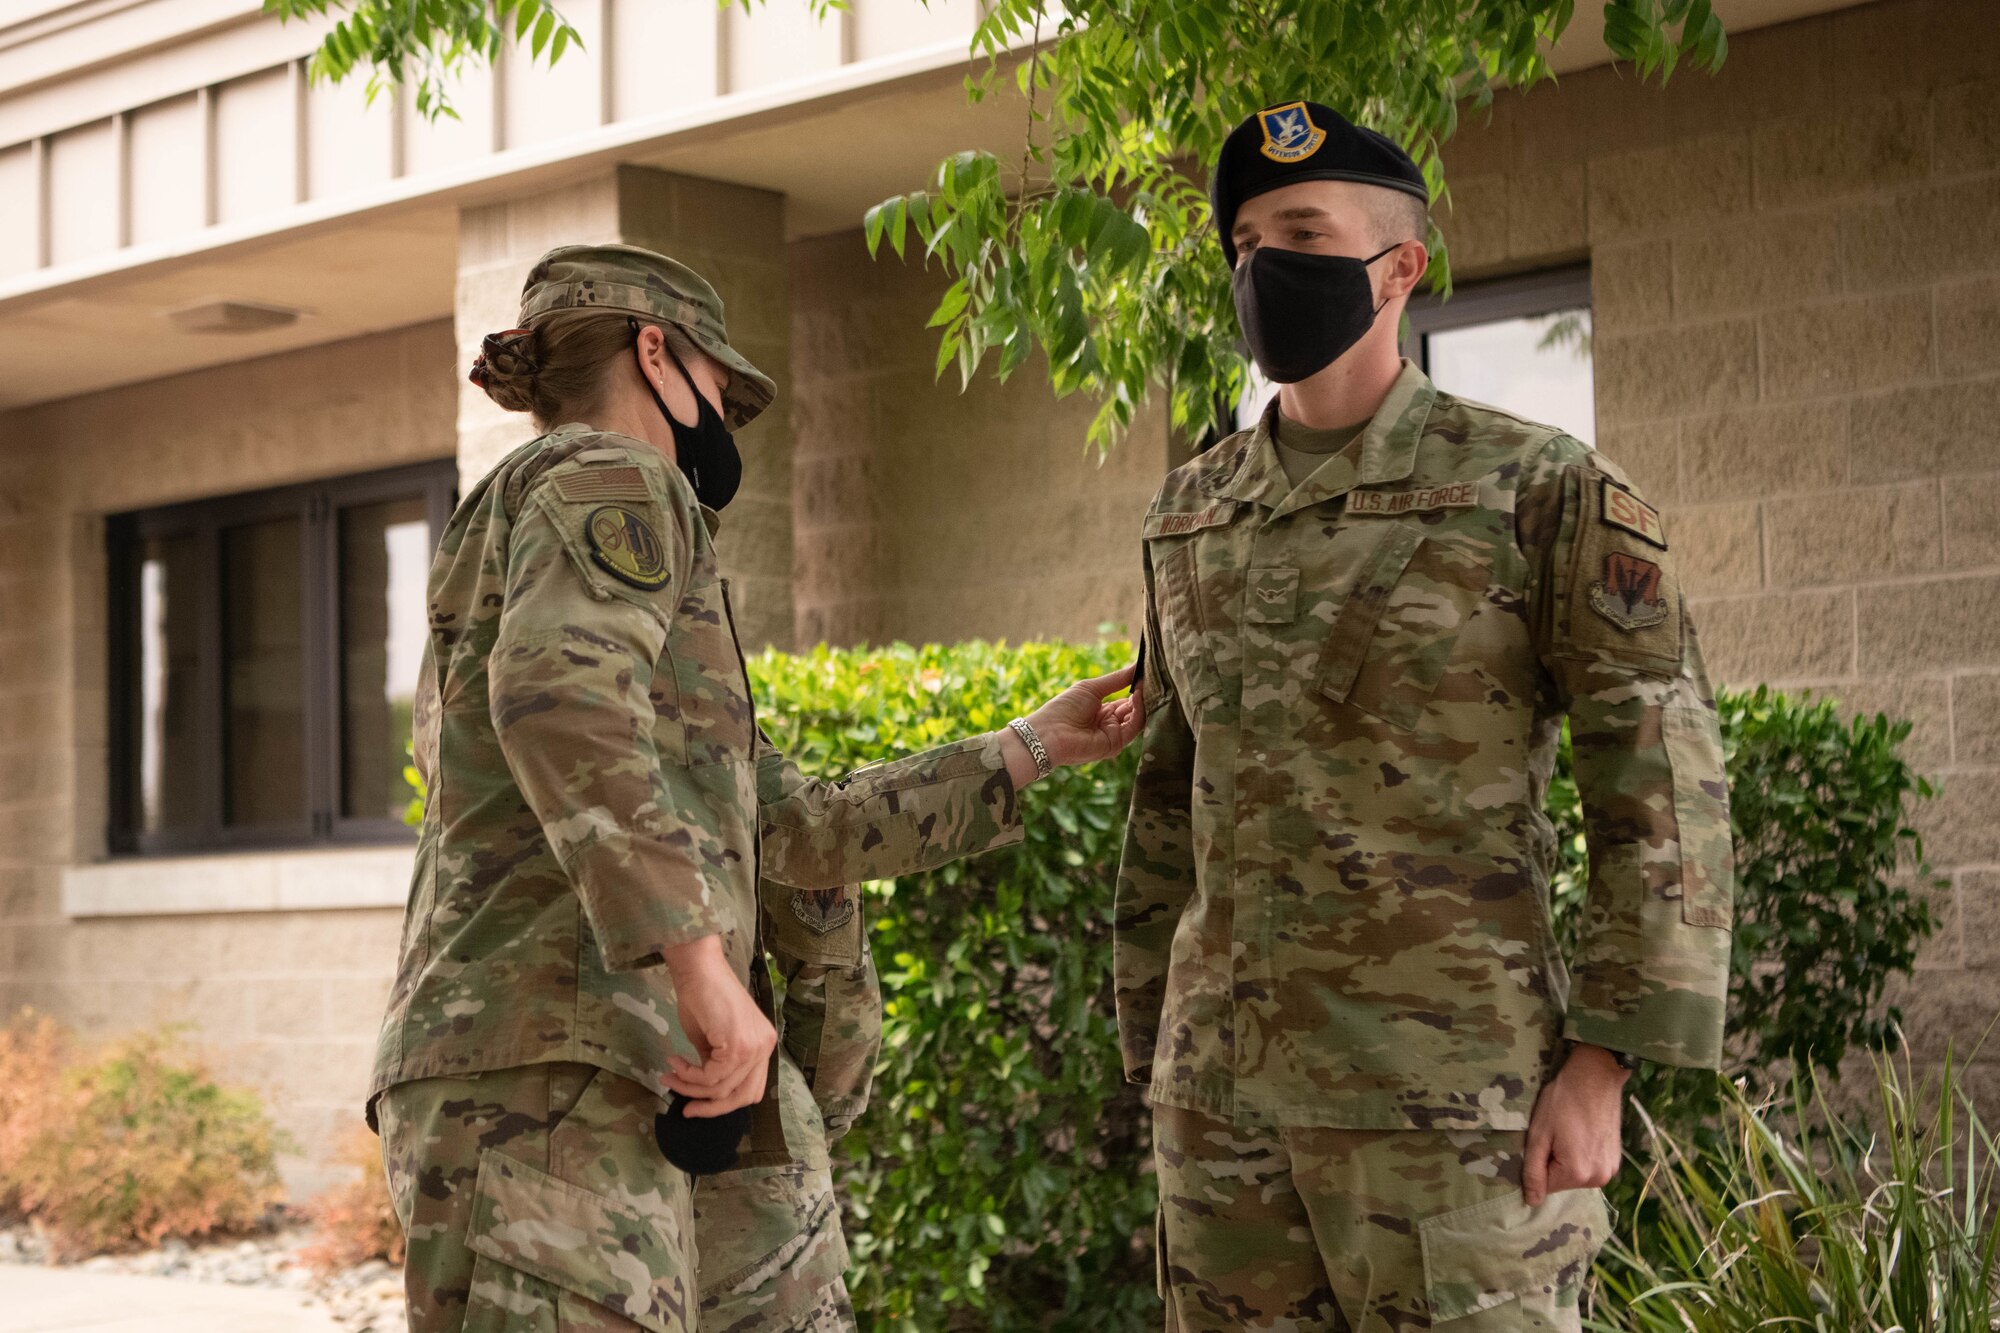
x: 236, y: 308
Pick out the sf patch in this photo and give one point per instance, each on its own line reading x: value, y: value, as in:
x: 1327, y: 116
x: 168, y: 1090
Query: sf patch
x: 1629, y: 593
x: 822, y: 912
x: 1289, y: 134
x: 625, y: 546
x: 1622, y: 509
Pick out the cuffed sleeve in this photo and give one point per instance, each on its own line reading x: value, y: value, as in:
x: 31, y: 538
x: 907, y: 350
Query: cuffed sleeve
x: 1651, y: 976
x: 900, y: 817
x: 570, y: 681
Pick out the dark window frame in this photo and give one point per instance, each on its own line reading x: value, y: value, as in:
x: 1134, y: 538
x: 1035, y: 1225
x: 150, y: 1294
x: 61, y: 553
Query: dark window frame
x: 1522, y: 296
x: 318, y: 506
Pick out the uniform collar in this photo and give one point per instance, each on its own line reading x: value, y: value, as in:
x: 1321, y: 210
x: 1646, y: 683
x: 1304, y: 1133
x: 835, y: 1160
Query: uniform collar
x: 1388, y: 452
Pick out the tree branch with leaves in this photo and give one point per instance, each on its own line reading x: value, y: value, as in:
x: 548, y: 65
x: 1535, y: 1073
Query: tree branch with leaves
x: 1094, y: 247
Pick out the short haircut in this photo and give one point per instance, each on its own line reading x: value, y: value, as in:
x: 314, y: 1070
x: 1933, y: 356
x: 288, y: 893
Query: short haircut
x: 1395, y: 217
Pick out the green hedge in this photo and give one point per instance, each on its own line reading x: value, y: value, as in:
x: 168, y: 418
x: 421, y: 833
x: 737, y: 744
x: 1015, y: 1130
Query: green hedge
x: 1003, y: 1178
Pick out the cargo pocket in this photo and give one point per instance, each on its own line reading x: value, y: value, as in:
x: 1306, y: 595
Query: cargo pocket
x: 771, y: 1246
x: 530, y: 1222
x: 1701, y: 816
x: 1502, y: 1250
x: 1399, y: 625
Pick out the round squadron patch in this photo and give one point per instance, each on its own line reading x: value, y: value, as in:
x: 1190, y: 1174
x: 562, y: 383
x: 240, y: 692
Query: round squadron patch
x: 625, y: 545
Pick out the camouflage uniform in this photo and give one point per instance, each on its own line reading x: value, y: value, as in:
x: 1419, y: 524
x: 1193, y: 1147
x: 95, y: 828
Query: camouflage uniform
x: 1333, y: 909
x: 598, y: 790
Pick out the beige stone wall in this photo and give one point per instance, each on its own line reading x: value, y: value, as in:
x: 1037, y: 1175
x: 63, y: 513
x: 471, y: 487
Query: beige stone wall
x: 926, y: 514
x: 1796, y: 287
x: 284, y: 1001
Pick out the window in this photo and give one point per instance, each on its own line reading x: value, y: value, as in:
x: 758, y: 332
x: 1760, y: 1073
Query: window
x: 1522, y: 344
x: 264, y: 654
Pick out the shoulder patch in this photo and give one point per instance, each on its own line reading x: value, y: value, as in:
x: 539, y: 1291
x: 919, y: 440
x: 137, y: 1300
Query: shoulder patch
x: 1458, y: 495
x: 1622, y: 509
x: 624, y: 545
x: 1628, y: 593
x: 823, y: 912
x: 602, y: 483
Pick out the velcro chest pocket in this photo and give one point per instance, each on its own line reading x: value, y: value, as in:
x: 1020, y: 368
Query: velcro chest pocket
x: 1408, y: 596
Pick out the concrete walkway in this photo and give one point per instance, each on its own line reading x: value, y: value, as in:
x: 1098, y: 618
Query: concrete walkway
x: 70, y: 1300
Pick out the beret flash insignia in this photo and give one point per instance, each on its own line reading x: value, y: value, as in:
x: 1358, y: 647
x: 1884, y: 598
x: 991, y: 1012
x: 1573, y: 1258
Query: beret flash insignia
x: 1289, y: 134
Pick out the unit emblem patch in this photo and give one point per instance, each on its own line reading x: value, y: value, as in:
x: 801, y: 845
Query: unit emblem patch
x: 822, y: 912
x: 1629, y: 596
x: 1622, y: 509
x: 625, y: 545
x: 1289, y: 134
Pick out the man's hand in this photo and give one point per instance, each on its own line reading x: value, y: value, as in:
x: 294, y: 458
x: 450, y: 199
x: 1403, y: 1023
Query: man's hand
x: 1078, y: 727
x: 1573, y: 1138
x: 729, y: 1032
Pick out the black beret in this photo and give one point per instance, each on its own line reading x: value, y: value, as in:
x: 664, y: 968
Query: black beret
x: 1302, y: 141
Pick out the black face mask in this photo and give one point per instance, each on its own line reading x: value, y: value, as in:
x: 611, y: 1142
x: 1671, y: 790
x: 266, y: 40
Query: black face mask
x: 706, y: 451
x: 1299, y: 312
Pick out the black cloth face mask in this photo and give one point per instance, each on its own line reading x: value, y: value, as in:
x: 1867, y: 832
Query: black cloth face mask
x: 1299, y: 312
x: 706, y: 451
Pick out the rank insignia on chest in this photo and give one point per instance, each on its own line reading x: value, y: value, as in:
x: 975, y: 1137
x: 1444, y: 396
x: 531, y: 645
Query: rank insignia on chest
x: 1622, y: 509
x: 625, y: 545
x: 1458, y: 495
x: 822, y: 912
x: 1289, y: 134
x: 1629, y: 594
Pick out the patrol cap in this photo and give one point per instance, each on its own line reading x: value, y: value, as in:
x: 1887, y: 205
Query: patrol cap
x: 1302, y: 141
x: 639, y: 282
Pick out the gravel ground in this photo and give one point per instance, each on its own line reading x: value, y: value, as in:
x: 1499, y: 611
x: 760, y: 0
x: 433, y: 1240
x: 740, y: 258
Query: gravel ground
x: 368, y: 1299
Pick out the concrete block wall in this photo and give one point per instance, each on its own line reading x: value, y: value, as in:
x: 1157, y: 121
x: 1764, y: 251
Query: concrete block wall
x: 285, y: 1002
x: 1796, y: 288
x: 930, y: 515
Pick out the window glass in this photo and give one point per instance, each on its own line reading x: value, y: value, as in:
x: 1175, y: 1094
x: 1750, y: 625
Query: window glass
x: 166, y: 686
x: 1538, y: 367
x: 264, y: 717
x: 384, y: 560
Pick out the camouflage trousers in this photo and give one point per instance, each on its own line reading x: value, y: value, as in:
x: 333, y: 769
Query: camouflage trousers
x: 1363, y: 1231
x: 535, y: 1200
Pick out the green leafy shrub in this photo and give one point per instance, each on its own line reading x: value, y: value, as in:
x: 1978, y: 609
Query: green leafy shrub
x: 141, y: 1144
x: 1003, y: 1179
x: 1796, y: 1219
x: 1826, y: 867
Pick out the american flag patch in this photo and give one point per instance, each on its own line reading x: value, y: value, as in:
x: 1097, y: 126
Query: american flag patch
x: 603, y: 483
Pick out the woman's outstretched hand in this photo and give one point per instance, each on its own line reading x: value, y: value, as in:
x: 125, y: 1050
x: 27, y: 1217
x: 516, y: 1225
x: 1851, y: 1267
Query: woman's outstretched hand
x: 1078, y: 726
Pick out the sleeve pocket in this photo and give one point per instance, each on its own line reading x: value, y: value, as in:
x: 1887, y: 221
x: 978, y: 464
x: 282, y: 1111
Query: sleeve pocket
x: 1701, y: 816
x: 1501, y: 1250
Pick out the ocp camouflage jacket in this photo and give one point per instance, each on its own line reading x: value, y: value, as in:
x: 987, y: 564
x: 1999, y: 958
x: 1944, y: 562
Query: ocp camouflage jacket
x: 1333, y: 905
x: 597, y: 783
